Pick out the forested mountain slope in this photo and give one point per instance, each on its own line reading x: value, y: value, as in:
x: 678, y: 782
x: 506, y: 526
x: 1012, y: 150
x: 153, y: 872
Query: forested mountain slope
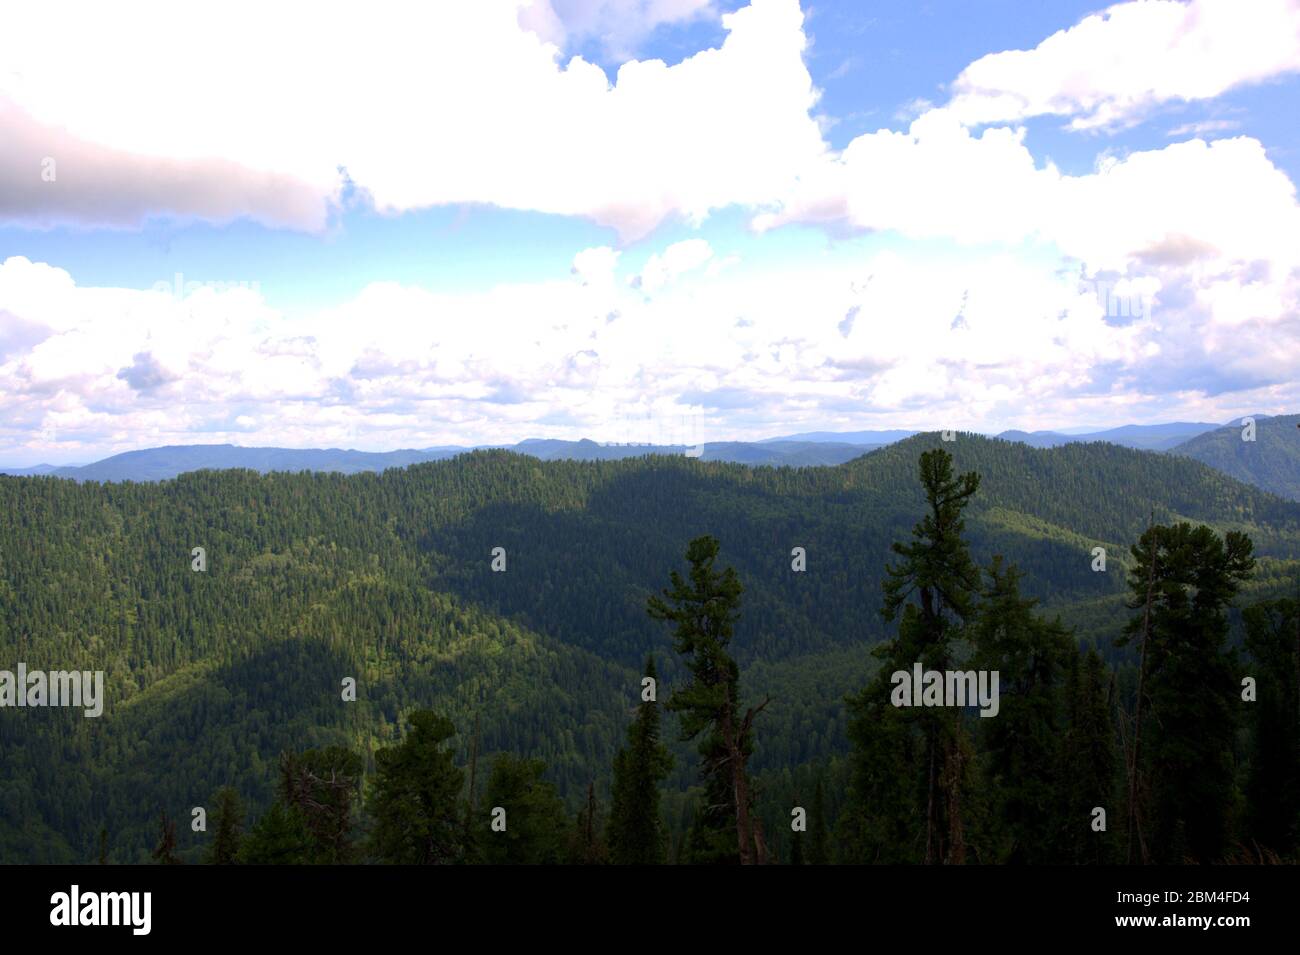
x: 1270, y: 461
x: 387, y: 578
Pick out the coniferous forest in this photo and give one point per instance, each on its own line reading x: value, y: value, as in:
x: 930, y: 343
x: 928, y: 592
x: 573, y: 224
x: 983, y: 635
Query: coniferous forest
x: 494, y: 659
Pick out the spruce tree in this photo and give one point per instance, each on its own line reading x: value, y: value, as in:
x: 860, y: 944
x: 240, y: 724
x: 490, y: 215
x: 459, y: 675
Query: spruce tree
x: 635, y: 833
x: 704, y: 610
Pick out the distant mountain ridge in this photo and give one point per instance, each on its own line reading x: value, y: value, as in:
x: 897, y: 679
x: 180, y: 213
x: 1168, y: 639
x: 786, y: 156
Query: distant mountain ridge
x: 1272, y: 462
x: 1145, y: 437
x: 158, y: 464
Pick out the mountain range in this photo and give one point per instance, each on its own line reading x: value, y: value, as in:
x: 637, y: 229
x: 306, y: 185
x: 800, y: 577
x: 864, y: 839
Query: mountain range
x: 387, y: 577
x: 1271, y: 461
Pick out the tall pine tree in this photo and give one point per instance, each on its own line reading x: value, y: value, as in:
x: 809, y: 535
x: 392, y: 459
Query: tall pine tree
x: 1021, y: 746
x: 913, y: 764
x: 1087, y: 763
x: 1273, y: 783
x: 703, y: 611
x: 1185, y: 759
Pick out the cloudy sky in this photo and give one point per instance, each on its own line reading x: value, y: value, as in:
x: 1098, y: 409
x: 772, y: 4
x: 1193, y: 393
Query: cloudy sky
x: 383, y: 226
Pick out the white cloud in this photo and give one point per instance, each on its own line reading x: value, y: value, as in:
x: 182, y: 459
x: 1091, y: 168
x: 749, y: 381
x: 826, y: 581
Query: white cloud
x: 751, y: 351
x: 1223, y: 199
x: 619, y: 25
x: 423, y: 105
x: 1114, y: 66
x: 677, y: 259
x: 1004, y: 328
x: 596, y: 265
x: 1202, y: 127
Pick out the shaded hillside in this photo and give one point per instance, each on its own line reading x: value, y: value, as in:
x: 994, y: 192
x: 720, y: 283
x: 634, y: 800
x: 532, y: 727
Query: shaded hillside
x: 387, y: 578
x: 1271, y: 461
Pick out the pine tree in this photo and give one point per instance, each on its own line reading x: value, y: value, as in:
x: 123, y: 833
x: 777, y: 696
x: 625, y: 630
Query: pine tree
x: 416, y: 799
x: 1087, y: 762
x: 704, y: 613
x: 280, y: 837
x: 535, y: 824
x: 1022, y: 743
x: 323, y: 786
x: 1273, y: 782
x: 1190, y: 685
x: 229, y: 826
x: 635, y: 833
x: 911, y: 764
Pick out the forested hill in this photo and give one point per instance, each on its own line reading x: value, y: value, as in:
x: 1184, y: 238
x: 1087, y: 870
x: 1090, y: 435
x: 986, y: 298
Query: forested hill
x: 1270, y: 461
x: 387, y: 578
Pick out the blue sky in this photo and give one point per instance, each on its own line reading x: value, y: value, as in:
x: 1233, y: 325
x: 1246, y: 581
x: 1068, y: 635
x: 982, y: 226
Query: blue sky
x: 497, y: 221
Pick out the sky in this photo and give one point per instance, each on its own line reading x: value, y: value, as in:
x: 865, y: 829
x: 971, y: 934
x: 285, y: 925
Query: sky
x: 392, y: 226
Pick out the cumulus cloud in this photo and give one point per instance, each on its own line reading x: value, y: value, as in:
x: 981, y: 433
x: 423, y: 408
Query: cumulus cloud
x: 437, y: 104
x: 940, y: 179
x: 677, y: 259
x: 619, y: 25
x: 1164, y: 281
x: 49, y: 176
x: 1112, y: 67
x: 596, y: 265
x: 750, y: 352
x: 145, y: 373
